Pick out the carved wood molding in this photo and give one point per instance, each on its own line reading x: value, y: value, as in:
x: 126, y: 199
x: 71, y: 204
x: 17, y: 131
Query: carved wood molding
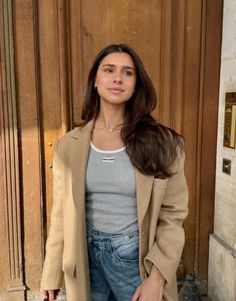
x: 10, y: 148
x: 75, y: 51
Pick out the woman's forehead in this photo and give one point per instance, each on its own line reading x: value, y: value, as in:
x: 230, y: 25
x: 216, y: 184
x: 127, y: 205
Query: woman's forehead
x: 118, y: 59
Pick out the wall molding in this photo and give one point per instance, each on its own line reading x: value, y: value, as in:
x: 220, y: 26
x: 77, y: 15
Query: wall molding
x: 10, y: 152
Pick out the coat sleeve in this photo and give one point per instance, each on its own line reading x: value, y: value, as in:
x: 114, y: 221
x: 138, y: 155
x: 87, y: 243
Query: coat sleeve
x: 166, y: 251
x: 52, y: 276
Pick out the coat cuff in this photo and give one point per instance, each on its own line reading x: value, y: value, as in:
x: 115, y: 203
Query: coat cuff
x: 51, y: 281
x: 161, y: 262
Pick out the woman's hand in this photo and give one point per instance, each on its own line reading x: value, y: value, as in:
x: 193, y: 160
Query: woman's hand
x: 151, y: 289
x: 50, y: 295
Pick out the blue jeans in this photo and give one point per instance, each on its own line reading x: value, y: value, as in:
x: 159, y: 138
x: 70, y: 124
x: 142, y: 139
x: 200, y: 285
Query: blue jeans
x: 113, y: 265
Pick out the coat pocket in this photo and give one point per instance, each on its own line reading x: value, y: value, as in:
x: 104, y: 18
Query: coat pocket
x: 126, y: 248
x: 69, y: 269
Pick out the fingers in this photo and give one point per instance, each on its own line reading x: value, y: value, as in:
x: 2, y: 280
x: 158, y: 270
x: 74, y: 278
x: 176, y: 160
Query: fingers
x: 50, y: 295
x: 44, y: 294
x: 136, y: 294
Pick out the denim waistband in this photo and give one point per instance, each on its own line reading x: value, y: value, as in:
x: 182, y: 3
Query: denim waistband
x: 97, y: 233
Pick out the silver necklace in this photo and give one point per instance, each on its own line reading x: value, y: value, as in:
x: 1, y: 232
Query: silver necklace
x: 110, y: 130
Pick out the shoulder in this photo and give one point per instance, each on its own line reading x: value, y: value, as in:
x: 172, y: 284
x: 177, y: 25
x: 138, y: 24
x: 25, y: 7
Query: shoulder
x: 76, y: 134
x: 66, y: 138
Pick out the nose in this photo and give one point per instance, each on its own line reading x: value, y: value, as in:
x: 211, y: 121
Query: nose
x: 117, y: 78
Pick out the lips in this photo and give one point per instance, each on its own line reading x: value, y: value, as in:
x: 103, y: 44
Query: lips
x: 116, y: 90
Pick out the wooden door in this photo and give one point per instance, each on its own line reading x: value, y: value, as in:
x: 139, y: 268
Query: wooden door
x: 54, y: 43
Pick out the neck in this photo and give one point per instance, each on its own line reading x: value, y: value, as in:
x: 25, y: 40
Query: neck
x: 110, y: 117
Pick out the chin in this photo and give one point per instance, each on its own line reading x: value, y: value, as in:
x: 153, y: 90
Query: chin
x: 115, y: 100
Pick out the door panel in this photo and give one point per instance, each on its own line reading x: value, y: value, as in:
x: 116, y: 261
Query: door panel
x: 151, y: 29
x: 54, y: 44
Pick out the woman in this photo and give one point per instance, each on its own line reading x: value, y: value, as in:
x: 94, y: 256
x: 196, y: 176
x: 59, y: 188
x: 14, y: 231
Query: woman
x: 120, y: 194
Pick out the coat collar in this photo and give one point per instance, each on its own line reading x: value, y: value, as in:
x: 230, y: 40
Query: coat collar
x: 79, y: 151
x: 79, y: 132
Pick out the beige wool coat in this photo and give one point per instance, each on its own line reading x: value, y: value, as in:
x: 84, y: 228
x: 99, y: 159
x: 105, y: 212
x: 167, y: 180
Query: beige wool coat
x: 161, y: 210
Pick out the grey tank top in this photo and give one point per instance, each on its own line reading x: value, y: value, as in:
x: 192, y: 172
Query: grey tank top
x: 110, y: 191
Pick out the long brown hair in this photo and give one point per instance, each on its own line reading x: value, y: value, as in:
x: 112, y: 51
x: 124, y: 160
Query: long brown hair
x: 152, y: 147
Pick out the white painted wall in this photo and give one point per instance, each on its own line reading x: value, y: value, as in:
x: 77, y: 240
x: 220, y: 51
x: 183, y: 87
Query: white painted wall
x: 222, y: 257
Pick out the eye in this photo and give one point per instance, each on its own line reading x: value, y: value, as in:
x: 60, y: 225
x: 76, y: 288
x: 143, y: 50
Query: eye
x: 108, y: 70
x: 128, y: 73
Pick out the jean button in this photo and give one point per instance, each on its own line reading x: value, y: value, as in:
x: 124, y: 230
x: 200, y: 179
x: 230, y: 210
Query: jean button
x: 89, y: 239
x: 126, y: 237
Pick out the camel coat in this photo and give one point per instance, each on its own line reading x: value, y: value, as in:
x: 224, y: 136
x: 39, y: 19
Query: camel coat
x: 161, y: 210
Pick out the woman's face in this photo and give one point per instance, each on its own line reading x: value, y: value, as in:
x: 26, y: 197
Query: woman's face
x: 116, y: 78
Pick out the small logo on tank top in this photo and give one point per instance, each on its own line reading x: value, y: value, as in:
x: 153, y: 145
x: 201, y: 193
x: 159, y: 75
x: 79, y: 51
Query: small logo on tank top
x: 108, y: 159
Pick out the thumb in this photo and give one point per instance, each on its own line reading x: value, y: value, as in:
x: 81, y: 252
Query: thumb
x: 136, y: 294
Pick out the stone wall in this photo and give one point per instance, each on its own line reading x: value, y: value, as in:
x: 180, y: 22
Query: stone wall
x: 222, y: 257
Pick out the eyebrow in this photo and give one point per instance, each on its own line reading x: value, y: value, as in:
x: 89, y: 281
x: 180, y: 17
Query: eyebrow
x: 124, y: 67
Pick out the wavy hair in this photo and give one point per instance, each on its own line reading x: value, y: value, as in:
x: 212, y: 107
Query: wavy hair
x: 151, y: 146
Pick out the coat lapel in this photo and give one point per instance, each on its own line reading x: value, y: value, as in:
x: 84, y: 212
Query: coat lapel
x: 80, y: 150
x: 144, y: 185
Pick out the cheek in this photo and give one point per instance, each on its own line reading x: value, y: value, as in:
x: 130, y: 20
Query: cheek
x: 101, y: 81
x: 101, y: 86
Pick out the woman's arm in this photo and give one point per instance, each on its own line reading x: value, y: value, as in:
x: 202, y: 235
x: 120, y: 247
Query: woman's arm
x: 166, y: 252
x: 163, y: 258
x: 52, y: 275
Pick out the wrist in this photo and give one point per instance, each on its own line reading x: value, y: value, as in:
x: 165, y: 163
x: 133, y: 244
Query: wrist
x: 156, y: 273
